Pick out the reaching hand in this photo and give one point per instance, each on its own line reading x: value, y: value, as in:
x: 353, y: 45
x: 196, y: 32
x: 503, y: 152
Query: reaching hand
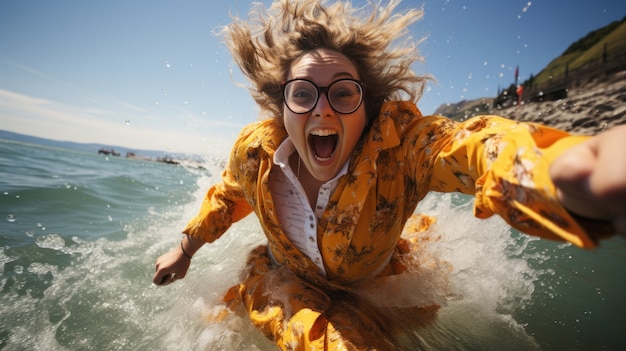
x: 171, y: 266
x: 591, y: 178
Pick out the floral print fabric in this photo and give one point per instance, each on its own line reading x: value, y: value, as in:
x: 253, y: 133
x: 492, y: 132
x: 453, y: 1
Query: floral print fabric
x: 401, y: 158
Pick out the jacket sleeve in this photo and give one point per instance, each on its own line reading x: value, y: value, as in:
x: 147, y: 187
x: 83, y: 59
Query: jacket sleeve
x: 506, y: 165
x: 225, y: 203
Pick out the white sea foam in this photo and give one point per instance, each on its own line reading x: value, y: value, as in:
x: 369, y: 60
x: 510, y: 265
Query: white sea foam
x: 51, y: 241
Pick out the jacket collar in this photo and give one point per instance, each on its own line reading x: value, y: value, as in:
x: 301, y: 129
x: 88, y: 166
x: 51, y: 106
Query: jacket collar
x: 386, y: 130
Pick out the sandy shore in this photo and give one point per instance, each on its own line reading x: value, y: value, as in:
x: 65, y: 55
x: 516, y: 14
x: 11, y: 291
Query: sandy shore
x: 590, y: 107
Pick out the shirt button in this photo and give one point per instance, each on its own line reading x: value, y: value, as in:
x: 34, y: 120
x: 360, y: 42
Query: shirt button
x: 312, y: 225
x: 311, y: 239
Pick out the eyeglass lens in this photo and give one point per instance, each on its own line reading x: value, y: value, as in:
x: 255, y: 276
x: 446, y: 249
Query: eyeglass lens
x: 344, y: 95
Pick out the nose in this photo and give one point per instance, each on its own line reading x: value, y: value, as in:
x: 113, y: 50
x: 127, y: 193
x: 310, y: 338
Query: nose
x: 322, y: 108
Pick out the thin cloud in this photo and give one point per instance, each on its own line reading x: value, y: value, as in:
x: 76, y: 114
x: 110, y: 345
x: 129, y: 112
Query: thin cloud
x: 50, y: 119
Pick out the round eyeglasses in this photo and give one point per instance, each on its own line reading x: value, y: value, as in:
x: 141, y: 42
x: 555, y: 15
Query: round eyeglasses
x: 344, y: 95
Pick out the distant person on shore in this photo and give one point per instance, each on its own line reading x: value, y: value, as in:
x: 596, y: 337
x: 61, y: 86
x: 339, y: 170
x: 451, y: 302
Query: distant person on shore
x: 336, y: 172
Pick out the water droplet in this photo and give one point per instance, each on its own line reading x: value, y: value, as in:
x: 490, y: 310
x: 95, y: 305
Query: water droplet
x: 127, y: 122
x: 167, y: 64
x: 11, y: 218
x: 110, y: 218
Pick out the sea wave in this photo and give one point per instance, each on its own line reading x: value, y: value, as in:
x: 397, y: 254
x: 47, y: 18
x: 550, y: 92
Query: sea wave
x: 80, y: 238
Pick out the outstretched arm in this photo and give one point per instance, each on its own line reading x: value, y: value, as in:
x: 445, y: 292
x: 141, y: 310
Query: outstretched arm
x: 591, y: 182
x: 224, y: 204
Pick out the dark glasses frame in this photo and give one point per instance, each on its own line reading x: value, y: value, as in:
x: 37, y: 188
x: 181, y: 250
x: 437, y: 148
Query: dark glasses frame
x: 323, y: 90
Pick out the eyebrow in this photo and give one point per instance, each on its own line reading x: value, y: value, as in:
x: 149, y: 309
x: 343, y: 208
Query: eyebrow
x: 339, y: 74
x: 334, y: 76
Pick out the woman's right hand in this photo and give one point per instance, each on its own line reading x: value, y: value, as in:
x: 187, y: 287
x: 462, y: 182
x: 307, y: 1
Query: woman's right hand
x: 171, y: 266
x: 174, y: 264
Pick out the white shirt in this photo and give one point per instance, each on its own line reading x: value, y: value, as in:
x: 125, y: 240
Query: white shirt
x: 297, y: 218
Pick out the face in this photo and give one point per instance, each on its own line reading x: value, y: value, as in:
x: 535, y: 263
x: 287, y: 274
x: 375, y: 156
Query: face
x: 323, y: 137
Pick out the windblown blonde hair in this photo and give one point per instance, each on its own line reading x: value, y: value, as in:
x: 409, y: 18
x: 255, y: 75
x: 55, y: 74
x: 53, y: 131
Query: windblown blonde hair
x: 266, y: 45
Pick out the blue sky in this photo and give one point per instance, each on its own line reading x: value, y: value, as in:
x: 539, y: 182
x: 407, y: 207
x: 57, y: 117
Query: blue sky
x: 150, y: 74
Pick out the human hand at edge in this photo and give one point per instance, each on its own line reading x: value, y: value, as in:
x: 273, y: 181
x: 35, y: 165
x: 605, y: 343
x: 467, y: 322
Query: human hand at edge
x: 591, y: 181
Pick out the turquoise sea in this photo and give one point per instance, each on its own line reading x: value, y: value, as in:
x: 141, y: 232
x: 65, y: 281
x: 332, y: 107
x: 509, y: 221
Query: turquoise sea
x: 79, y: 234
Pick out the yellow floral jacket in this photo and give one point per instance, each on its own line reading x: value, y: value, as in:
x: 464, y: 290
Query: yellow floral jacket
x: 401, y: 158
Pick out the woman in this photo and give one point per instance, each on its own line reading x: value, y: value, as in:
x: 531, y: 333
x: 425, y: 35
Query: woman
x: 336, y: 172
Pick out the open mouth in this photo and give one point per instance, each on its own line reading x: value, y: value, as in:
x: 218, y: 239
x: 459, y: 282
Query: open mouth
x: 323, y: 143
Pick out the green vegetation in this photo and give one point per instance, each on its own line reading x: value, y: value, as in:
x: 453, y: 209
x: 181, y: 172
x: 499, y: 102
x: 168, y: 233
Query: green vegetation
x: 579, y: 59
x: 587, y: 50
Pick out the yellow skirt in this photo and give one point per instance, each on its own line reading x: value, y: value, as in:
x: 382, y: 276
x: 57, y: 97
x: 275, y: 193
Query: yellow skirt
x: 298, y: 315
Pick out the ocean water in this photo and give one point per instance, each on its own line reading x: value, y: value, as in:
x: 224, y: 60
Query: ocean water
x: 79, y: 234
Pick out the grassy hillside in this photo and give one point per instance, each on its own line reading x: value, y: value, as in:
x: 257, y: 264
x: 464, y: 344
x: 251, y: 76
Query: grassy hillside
x: 587, y: 50
x: 580, y: 59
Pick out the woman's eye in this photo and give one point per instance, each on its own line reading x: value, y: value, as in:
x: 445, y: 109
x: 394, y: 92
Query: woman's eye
x: 343, y: 93
x: 303, y: 95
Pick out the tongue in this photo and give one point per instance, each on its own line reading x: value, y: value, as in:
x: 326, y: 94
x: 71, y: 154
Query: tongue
x: 324, y: 145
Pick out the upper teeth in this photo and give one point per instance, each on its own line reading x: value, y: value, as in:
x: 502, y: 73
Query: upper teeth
x: 323, y: 132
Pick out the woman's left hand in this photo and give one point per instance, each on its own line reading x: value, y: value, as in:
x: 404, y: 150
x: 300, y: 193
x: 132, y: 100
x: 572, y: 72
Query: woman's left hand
x: 591, y: 179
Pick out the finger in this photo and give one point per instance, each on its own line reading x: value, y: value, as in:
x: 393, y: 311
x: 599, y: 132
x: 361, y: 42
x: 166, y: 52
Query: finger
x: 165, y: 280
x: 608, y: 179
